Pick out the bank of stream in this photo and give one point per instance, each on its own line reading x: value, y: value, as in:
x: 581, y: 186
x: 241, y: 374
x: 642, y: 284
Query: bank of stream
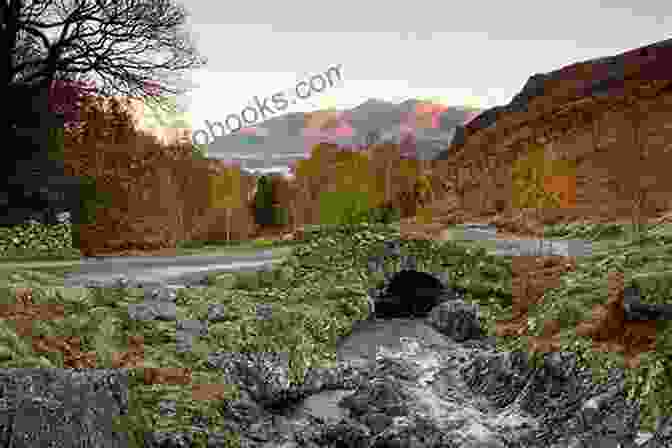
x: 305, y: 289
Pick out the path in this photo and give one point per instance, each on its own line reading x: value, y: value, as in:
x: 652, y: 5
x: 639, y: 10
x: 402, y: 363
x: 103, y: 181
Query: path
x: 184, y: 269
x: 173, y: 271
x: 487, y: 236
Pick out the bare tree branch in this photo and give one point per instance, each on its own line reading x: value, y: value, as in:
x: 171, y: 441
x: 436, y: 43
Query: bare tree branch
x: 122, y: 42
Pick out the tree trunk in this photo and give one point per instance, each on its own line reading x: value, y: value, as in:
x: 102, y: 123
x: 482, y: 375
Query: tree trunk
x: 541, y: 229
x: 228, y: 224
x: 293, y: 210
x: 638, y: 215
x: 596, y: 134
x: 388, y: 167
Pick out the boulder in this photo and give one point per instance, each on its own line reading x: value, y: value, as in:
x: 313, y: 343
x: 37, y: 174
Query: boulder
x: 417, y: 395
x: 571, y: 409
x: 636, y: 310
x: 421, y: 395
x: 69, y: 406
x: 424, y: 393
x: 456, y: 319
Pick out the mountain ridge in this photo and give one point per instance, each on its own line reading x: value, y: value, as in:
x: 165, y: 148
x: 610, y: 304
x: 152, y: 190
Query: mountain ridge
x: 282, y: 139
x: 597, y: 77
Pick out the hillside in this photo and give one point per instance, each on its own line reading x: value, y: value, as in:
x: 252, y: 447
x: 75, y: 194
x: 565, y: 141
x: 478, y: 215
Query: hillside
x: 607, y: 117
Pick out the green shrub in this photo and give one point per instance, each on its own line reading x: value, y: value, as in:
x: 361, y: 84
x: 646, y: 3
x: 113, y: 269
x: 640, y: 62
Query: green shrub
x: 383, y: 215
x: 90, y: 199
x: 262, y: 242
x: 263, y: 200
x: 27, y: 240
x: 343, y: 208
x: 265, y: 191
x: 280, y: 216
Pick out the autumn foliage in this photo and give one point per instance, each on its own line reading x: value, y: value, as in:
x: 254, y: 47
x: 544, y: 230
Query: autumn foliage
x: 385, y: 174
x: 161, y: 194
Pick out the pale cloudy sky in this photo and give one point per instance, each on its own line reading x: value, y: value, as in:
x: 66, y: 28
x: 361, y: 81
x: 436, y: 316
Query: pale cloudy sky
x: 459, y: 53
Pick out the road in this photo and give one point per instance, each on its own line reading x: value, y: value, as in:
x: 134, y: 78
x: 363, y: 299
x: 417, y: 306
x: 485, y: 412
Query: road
x: 524, y: 246
x: 172, y: 271
x: 190, y: 269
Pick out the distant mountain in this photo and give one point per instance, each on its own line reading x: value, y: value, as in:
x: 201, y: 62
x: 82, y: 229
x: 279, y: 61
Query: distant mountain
x: 284, y: 139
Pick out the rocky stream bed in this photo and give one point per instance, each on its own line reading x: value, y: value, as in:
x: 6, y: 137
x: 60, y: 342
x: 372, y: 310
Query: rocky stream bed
x: 430, y: 380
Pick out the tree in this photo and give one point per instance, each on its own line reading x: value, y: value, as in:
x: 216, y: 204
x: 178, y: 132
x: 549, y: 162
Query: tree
x: 297, y: 171
x: 354, y: 180
x: 68, y: 97
x: 45, y: 41
x: 264, y: 201
x: 408, y: 170
x: 98, y: 120
x: 387, y: 152
x: 640, y: 172
x: 225, y: 193
x: 33, y: 178
x: 424, y: 195
x: 412, y: 167
x: 307, y: 173
x: 157, y: 117
x: 529, y: 176
x: 116, y: 39
x: 102, y: 120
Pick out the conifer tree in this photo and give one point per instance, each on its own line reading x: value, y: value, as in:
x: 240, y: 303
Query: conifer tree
x: 264, y: 201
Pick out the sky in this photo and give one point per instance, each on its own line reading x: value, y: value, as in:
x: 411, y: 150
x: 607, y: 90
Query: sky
x: 455, y: 53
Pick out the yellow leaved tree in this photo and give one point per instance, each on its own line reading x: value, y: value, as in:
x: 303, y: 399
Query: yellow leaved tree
x: 353, y: 172
x: 409, y: 172
x: 342, y: 177
x: 225, y: 193
x: 306, y: 174
x: 300, y: 170
x: 532, y: 178
x: 424, y: 195
x: 356, y: 184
